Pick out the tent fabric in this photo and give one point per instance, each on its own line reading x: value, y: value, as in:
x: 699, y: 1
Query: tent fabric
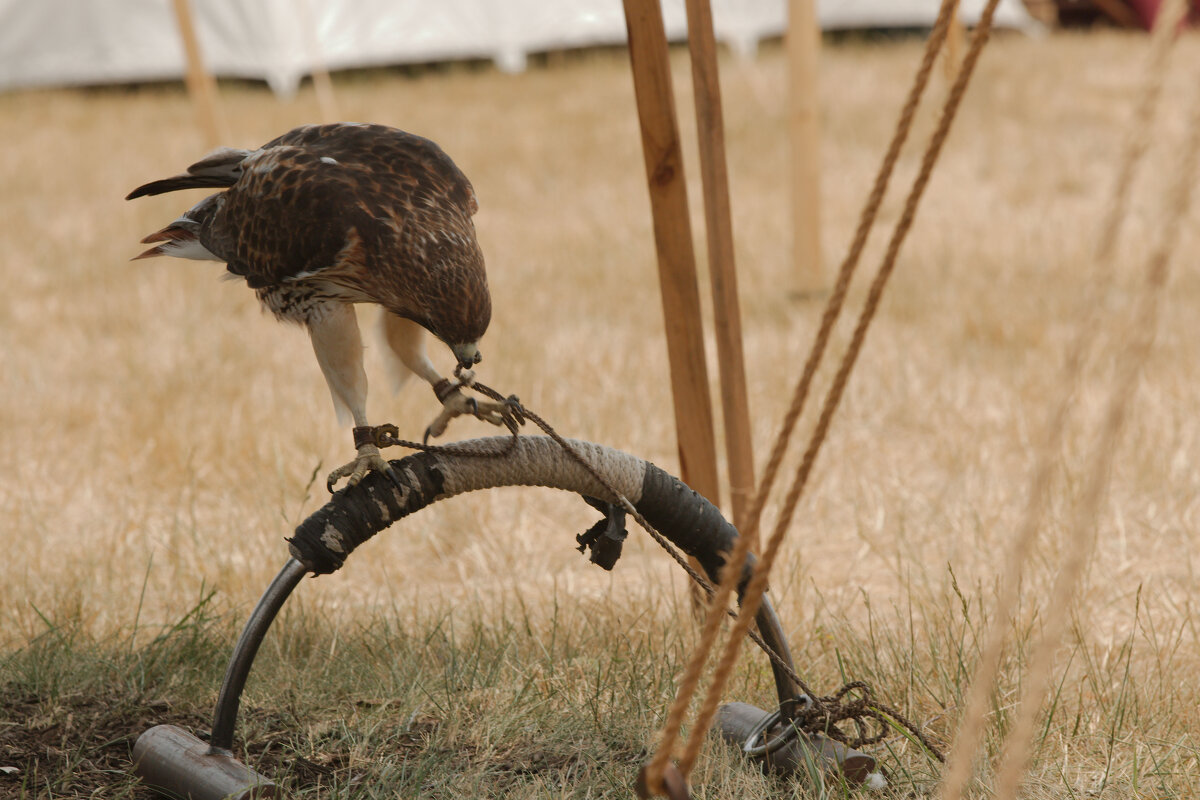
x: 79, y: 42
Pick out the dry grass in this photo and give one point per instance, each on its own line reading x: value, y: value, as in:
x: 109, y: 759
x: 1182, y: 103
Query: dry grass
x: 160, y: 434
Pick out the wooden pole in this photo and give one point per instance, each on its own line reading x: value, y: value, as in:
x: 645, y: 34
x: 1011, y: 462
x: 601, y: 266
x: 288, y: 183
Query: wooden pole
x: 673, y: 240
x: 727, y: 317
x: 200, y: 83
x: 803, y: 47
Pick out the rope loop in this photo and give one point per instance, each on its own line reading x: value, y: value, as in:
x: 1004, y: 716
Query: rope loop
x: 826, y: 713
x: 822, y: 716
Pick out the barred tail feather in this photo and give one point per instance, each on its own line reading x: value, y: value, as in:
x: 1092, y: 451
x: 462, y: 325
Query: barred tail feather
x: 177, y: 242
x: 182, y: 237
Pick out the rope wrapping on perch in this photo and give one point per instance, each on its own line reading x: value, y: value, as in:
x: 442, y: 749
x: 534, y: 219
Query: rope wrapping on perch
x: 355, y: 514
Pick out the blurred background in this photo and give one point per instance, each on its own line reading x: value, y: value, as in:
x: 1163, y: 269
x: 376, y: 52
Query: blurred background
x: 160, y: 435
x: 60, y: 42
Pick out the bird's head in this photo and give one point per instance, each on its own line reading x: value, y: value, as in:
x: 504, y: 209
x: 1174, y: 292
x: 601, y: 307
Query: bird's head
x: 457, y: 308
x: 467, y: 354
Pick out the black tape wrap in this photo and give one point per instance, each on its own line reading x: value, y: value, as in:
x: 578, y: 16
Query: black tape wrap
x: 697, y: 528
x: 694, y: 524
x: 355, y: 514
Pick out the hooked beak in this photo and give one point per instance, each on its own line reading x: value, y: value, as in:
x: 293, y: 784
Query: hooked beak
x: 467, y: 354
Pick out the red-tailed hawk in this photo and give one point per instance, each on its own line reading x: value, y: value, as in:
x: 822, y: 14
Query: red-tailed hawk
x: 327, y: 216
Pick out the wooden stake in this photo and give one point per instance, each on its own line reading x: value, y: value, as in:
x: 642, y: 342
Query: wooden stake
x: 710, y: 126
x: 673, y: 240
x: 803, y: 47
x: 956, y: 34
x: 201, y: 86
x: 322, y: 83
x: 326, y: 99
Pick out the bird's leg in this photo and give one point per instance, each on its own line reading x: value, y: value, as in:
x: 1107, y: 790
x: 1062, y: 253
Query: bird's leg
x: 407, y: 340
x: 338, y: 345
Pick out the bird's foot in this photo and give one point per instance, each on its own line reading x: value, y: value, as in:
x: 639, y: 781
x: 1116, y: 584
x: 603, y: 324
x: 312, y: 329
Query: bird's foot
x: 456, y: 404
x: 368, y: 460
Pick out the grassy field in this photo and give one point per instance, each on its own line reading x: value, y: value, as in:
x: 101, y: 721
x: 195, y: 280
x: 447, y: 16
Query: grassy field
x: 160, y: 437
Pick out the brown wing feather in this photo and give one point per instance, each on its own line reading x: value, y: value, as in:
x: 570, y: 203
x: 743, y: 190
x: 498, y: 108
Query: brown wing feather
x: 381, y: 215
x: 386, y: 151
x: 286, y: 218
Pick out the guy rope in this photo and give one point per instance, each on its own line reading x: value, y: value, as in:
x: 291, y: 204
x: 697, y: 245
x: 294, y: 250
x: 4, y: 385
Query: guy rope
x: 652, y: 780
x: 1137, y: 141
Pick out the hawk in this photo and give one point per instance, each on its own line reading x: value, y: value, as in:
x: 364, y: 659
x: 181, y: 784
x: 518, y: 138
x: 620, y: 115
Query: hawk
x: 327, y: 216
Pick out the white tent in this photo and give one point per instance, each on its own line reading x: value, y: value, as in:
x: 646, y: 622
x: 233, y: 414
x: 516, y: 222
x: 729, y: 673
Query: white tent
x: 73, y: 42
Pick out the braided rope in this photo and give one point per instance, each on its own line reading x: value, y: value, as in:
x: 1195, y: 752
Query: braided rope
x: 690, y: 679
x: 1081, y: 535
x: 970, y: 731
x: 833, y: 397
x: 866, y: 221
x: 826, y: 712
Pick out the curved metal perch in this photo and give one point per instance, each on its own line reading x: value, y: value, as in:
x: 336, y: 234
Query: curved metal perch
x: 189, y: 768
